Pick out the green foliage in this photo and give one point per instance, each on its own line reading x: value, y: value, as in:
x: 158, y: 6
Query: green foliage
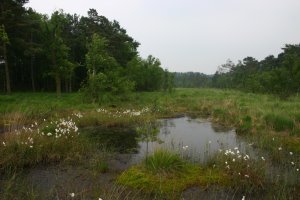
x: 97, y: 59
x: 95, y: 87
x: 104, y: 78
x: 191, y: 80
x: 279, y: 122
x: 3, y: 35
x: 148, y: 74
x: 43, y: 49
x: 279, y: 76
x: 103, y: 88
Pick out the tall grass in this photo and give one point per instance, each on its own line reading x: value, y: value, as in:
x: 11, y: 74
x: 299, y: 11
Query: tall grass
x: 279, y: 122
x: 164, y: 161
x: 43, y: 143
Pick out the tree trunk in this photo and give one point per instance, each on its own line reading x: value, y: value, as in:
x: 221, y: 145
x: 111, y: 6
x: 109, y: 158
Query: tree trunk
x: 31, y: 67
x: 58, y: 85
x: 8, y: 89
x: 70, y: 84
x: 31, y: 73
x: 57, y: 76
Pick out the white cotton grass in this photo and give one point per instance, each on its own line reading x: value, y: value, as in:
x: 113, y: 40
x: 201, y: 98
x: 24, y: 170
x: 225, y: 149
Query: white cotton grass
x: 185, y: 147
x: 62, y: 128
x: 123, y: 113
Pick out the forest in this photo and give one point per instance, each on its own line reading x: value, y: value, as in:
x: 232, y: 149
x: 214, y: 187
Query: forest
x: 279, y: 75
x: 65, y: 52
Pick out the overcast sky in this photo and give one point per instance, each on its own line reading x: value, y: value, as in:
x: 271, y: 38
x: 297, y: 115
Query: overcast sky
x: 196, y: 35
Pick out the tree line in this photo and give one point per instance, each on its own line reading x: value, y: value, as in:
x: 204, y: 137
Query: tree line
x: 192, y: 80
x: 67, y: 52
x: 273, y: 75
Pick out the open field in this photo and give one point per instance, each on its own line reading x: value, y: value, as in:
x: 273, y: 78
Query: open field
x: 43, y: 131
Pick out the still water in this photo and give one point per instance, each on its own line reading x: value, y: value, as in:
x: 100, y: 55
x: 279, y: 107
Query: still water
x: 201, y: 137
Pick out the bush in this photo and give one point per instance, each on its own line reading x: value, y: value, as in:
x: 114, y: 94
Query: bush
x: 103, y: 88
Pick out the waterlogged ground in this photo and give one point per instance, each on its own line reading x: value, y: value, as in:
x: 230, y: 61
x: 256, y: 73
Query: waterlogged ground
x: 199, y: 138
x: 261, y: 160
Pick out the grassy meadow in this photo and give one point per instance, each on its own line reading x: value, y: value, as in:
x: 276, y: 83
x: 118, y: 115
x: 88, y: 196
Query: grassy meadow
x: 40, y: 130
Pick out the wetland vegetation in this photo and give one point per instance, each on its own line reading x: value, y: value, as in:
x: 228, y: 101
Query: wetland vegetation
x: 58, y: 135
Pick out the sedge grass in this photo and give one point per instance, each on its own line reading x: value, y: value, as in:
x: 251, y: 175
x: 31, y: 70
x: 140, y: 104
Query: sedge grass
x: 164, y: 161
x: 269, y: 122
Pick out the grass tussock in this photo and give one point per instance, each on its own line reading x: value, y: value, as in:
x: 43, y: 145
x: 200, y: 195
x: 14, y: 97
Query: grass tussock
x: 166, y: 173
x: 163, y: 161
x: 170, y: 184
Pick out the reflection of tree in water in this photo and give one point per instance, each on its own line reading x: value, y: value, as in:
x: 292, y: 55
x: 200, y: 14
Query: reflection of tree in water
x: 122, y: 140
x: 219, y: 128
x: 165, y: 125
x: 148, y: 132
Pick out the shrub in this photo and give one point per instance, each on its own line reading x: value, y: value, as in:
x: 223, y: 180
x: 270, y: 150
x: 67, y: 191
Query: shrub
x: 106, y: 87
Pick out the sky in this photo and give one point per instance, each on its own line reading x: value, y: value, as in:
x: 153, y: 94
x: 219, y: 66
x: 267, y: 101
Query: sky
x: 196, y: 35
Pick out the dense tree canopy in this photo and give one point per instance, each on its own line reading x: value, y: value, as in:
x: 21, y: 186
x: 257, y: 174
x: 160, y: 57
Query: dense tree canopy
x: 192, y: 80
x: 61, y: 52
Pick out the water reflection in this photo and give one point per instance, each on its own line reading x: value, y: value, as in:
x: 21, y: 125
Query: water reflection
x: 123, y: 140
x: 165, y: 125
x: 202, y: 137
